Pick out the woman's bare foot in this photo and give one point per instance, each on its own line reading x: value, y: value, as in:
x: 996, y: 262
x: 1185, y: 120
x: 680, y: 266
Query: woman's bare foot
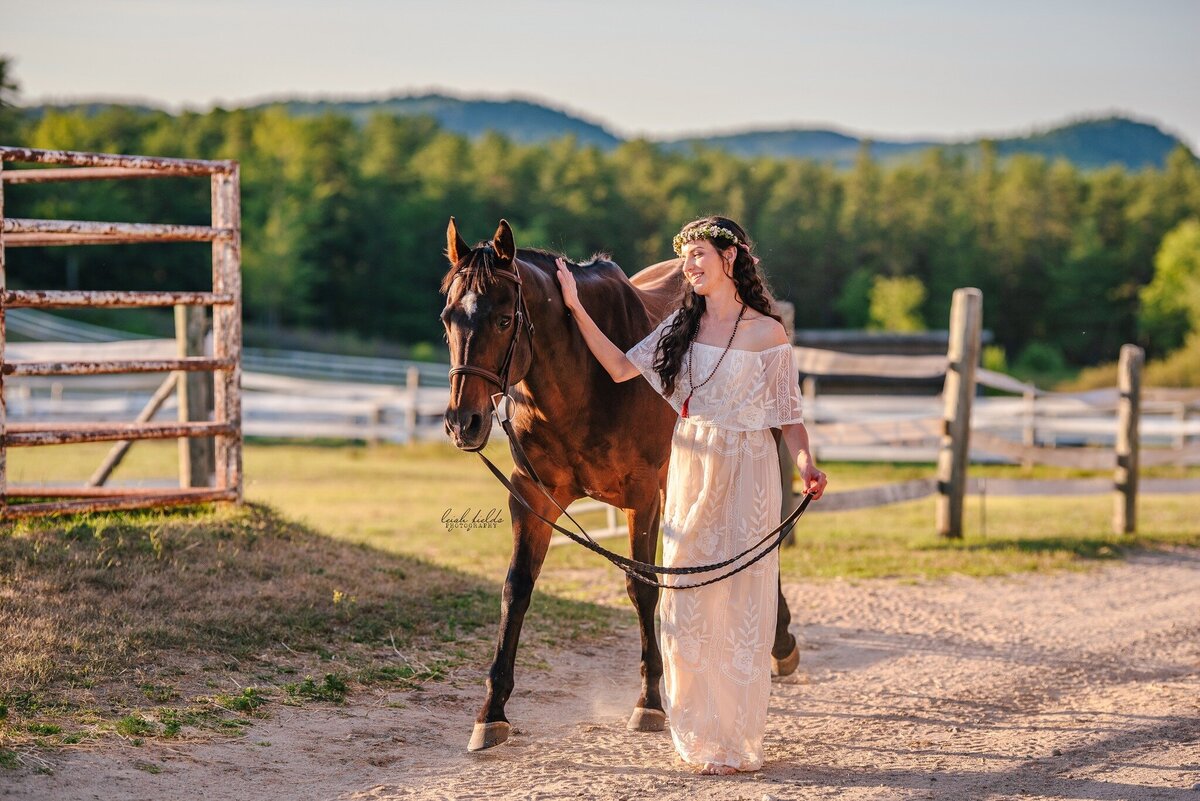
x: 715, y: 769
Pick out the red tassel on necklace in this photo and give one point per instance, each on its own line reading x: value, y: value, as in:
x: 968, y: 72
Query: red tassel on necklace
x: 684, y: 413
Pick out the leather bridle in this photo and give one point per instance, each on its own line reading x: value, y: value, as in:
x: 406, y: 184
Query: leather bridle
x: 520, y: 318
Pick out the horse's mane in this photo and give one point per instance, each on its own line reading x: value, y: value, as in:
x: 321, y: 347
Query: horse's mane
x: 483, y: 263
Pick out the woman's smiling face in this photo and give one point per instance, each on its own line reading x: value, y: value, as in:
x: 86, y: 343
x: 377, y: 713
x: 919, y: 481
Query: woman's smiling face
x: 703, y: 266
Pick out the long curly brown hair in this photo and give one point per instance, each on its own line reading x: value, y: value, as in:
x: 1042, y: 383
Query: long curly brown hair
x: 751, y: 287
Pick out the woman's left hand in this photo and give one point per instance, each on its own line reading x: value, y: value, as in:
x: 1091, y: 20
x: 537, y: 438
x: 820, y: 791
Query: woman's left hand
x: 567, y: 281
x: 813, y: 480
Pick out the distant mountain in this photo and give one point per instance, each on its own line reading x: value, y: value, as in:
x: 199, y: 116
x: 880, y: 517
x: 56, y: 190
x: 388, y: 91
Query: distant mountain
x: 520, y: 120
x: 1089, y: 143
x: 800, y: 143
x: 1097, y: 143
x: 88, y: 107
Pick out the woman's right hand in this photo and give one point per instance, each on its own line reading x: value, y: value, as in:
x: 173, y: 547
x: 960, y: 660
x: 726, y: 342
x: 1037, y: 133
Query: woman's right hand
x: 567, y: 282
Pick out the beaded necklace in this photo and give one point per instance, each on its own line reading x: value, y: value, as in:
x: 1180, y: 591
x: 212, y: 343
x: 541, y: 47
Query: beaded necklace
x: 691, y: 383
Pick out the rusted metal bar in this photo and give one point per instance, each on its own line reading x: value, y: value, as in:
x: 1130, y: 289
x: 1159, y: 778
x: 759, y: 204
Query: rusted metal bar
x: 35, y: 491
x: 19, y: 231
x: 67, y: 240
x: 56, y: 299
x: 227, y: 327
x: 79, y: 174
x: 101, y: 368
x: 118, y: 451
x: 166, y: 166
x: 24, y: 435
x: 132, y: 501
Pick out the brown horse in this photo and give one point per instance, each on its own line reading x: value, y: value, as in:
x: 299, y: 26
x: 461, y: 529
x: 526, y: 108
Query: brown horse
x: 584, y: 434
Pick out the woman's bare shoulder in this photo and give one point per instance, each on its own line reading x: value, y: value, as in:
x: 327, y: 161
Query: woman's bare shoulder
x: 765, y: 332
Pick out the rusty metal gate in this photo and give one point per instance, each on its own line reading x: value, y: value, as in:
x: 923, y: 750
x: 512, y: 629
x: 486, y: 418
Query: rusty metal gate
x: 225, y: 299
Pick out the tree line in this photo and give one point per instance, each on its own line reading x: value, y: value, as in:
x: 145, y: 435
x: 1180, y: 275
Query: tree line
x: 344, y: 224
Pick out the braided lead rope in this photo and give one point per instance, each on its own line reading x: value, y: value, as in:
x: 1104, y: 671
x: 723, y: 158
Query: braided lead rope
x: 612, y: 557
x: 632, y: 567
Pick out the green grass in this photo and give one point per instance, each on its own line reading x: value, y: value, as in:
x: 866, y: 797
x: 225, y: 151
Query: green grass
x: 248, y: 700
x: 134, y: 726
x: 393, y: 498
x: 331, y: 688
x: 393, y: 501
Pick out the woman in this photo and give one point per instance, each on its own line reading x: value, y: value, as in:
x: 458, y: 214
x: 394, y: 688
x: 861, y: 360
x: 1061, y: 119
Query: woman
x: 723, y: 486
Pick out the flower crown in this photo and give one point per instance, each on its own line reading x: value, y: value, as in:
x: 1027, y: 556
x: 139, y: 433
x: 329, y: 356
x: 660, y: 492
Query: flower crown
x: 707, y: 231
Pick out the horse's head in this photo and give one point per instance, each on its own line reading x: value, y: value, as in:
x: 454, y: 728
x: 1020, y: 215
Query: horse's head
x: 485, y: 319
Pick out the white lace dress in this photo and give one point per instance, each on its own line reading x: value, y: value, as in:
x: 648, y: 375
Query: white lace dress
x: 723, y: 494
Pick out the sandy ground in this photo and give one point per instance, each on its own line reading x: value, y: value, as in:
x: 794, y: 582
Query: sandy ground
x: 1070, y: 685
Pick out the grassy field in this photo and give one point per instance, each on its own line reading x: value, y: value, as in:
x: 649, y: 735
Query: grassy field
x: 393, y: 499
x: 340, y: 573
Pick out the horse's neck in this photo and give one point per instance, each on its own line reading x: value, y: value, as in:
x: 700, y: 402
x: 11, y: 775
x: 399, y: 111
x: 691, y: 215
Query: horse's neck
x: 557, y: 342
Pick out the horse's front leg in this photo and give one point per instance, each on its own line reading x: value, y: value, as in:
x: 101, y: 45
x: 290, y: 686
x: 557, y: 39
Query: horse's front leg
x: 531, y: 537
x: 643, y: 519
x: 785, y: 652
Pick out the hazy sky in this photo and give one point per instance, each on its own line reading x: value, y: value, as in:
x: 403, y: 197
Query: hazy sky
x: 899, y: 69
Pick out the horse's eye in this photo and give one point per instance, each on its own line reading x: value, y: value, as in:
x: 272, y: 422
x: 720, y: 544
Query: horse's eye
x: 505, y: 321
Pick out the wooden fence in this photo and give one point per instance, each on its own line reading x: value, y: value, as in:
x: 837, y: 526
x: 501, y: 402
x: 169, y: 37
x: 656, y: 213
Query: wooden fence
x: 958, y: 430
x: 224, y: 234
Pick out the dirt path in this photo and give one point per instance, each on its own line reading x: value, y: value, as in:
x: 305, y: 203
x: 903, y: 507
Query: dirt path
x: 1072, y: 685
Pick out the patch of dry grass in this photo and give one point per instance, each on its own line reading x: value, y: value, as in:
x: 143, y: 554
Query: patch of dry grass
x: 182, y: 624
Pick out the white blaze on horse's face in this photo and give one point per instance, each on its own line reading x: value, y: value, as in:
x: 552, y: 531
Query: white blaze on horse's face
x: 470, y: 304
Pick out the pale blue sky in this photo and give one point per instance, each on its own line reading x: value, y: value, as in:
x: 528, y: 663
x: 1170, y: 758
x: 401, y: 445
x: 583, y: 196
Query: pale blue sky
x: 895, y: 69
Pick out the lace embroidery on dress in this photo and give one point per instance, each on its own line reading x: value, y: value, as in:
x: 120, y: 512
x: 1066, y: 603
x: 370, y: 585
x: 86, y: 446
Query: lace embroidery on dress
x: 771, y: 399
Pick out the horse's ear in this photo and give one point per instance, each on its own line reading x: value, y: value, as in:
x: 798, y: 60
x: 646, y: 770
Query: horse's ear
x: 456, y: 248
x: 506, y: 248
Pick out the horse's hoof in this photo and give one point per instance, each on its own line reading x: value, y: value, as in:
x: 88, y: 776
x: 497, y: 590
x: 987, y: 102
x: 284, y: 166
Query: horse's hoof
x: 645, y: 719
x: 782, y: 667
x: 486, y: 735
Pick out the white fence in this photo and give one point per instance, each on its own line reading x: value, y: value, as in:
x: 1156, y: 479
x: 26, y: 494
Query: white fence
x: 300, y: 395
x: 297, y: 395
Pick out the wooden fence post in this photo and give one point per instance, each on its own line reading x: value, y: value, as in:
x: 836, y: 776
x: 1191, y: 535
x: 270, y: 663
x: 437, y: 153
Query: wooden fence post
x: 787, y: 469
x: 966, y: 317
x: 1125, y: 477
x: 375, y: 424
x: 196, y: 458
x: 808, y: 396
x: 1180, y: 442
x: 1029, y: 432
x: 3, y: 337
x: 412, y: 385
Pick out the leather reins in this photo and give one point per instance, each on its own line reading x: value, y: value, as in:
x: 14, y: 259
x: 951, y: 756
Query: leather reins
x: 502, y: 408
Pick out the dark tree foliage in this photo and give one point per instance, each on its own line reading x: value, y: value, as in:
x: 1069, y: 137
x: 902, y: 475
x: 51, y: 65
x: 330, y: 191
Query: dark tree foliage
x: 344, y: 222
